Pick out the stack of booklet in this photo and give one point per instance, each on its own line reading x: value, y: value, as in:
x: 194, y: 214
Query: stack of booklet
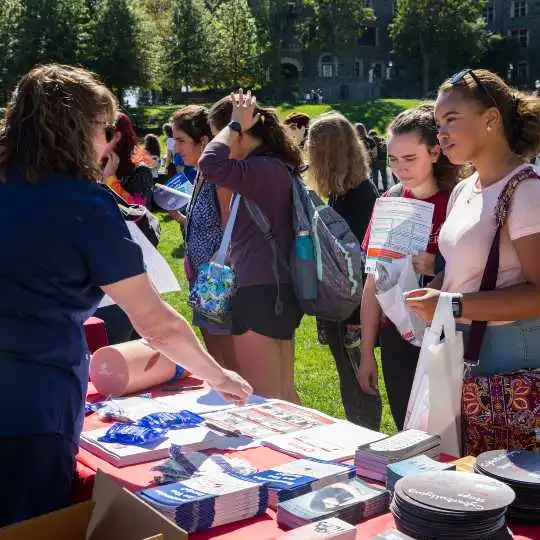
x: 123, y: 455
x: 203, y: 502
x: 352, y: 501
x: 184, y: 466
x: 519, y: 469
x: 326, y: 529
x: 298, y: 477
x: 449, y: 505
x: 372, y: 459
x: 415, y: 465
x: 334, y: 442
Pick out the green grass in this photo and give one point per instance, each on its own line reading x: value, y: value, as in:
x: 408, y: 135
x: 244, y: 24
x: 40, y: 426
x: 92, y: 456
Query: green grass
x: 376, y: 114
x: 316, y: 376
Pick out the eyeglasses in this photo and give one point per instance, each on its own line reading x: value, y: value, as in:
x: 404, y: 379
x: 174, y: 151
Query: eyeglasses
x: 459, y: 77
x: 109, y: 129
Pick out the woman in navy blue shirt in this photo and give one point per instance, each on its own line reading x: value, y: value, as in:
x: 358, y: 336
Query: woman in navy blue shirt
x: 64, y: 245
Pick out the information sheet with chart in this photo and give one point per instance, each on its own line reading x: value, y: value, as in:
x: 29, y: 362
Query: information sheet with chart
x: 399, y: 227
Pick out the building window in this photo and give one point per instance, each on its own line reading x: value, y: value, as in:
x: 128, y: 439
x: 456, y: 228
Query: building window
x: 292, y: 8
x: 518, y: 8
x: 368, y: 37
x: 522, y: 71
x: 358, y: 69
x: 368, y: 4
x: 327, y: 66
x: 489, y: 11
x: 521, y: 37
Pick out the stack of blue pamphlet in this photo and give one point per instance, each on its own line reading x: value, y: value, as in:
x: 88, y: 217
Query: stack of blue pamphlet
x: 203, y: 502
x: 414, y: 465
x: 301, y: 476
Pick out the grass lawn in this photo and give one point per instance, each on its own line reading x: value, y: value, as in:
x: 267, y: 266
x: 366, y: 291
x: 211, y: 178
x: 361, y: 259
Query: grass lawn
x: 316, y: 376
x: 376, y: 114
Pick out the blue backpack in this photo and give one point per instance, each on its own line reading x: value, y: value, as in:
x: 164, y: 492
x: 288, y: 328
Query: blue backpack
x: 326, y: 262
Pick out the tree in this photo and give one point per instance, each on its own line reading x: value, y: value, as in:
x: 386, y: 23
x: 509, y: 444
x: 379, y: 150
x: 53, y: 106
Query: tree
x: 187, y: 45
x: 10, y: 36
x: 49, y: 31
x: 333, y: 23
x: 236, y: 58
x: 436, y: 38
x: 124, y: 50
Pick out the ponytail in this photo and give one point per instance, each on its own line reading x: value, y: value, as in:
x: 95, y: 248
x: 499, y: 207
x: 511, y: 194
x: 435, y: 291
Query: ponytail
x: 268, y: 129
x: 524, y: 133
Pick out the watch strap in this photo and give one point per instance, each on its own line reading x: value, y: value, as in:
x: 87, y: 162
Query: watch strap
x: 235, y: 126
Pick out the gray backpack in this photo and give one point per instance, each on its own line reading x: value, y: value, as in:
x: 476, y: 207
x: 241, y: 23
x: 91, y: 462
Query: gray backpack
x: 335, y: 269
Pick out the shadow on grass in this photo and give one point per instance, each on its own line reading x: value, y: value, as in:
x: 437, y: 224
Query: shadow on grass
x: 376, y: 114
x: 178, y: 252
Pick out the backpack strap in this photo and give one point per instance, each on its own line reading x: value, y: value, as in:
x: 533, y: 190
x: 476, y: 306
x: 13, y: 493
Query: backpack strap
x: 491, y: 271
x: 262, y: 221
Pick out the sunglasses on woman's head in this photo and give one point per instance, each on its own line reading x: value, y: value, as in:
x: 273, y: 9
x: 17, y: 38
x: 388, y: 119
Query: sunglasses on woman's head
x: 460, y: 77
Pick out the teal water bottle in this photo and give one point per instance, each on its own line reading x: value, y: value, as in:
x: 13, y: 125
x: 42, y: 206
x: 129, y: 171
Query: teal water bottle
x: 305, y: 265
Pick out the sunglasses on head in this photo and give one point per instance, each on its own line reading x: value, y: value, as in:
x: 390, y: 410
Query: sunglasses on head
x: 460, y: 77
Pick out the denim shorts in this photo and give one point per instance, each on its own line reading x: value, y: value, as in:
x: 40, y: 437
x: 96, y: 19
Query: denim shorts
x: 508, y: 347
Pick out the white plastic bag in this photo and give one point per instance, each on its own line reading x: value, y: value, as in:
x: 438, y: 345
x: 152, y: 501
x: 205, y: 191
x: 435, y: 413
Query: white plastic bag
x: 391, y: 285
x: 435, y: 400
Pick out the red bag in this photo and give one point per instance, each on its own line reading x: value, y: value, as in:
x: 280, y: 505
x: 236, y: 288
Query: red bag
x: 500, y: 411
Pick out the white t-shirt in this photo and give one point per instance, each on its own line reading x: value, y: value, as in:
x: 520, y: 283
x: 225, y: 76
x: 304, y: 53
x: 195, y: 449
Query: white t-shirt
x: 170, y: 145
x: 467, y: 234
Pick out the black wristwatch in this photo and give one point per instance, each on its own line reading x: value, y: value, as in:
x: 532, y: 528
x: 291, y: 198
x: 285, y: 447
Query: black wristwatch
x: 457, y: 306
x: 235, y: 126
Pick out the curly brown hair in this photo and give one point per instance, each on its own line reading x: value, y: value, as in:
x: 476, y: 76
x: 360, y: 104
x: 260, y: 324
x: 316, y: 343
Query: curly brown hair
x: 421, y: 120
x: 338, y: 160
x: 268, y: 129
x: 50, y: 121
x: 520, y: 112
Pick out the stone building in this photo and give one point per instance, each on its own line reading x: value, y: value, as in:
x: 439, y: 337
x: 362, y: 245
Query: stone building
x: 366, y: 70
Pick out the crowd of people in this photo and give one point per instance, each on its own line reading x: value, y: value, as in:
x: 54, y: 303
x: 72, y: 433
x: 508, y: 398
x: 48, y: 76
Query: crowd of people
x: 65, y: 149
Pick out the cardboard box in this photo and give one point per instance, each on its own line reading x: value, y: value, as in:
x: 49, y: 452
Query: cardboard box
x: 113, y: 514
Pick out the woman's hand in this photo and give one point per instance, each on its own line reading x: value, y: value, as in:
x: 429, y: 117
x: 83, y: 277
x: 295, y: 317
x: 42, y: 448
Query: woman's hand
x: 367, y: 373
x: 244, y: 106
x: 424, y: 264
x: 177, y: 216
x: 423, y: 302
x: 113, y: 161
x: 233, y: 387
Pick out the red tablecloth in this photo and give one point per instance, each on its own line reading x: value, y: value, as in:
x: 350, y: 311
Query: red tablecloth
x: 137, y: 477
x: 96, y: 334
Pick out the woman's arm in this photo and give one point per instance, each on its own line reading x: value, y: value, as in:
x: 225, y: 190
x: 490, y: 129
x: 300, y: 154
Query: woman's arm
x: 224, y: 199
x: 170, y: 334
x: 370, y: 314
x: 515, y: 303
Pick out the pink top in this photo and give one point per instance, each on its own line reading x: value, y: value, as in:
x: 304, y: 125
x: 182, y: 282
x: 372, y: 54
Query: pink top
x: 466, y: 236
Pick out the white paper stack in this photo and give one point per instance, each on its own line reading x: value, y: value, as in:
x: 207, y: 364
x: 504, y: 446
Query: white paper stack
x: 190, y: 440
x: 184, y: 466
x: 335, y: 442
x: 203, y: 502
x: 301, y: 476
x: 352, y: 501
x: 372, y: 459
x: 327, y: 529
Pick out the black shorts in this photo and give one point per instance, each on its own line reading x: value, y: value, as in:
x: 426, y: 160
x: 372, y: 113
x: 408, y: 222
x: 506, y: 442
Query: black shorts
x: 253, y: 308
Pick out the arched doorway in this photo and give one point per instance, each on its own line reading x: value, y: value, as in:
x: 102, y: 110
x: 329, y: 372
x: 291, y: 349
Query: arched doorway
x: 291, y: 73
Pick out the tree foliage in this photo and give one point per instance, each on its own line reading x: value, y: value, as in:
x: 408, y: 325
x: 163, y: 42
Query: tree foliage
x: 439, y: 37
x: 187, y: 45
x: 236, y: 58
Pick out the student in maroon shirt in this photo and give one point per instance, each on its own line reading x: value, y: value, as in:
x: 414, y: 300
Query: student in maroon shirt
x: 424, y: 173
x: 250, y: 155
